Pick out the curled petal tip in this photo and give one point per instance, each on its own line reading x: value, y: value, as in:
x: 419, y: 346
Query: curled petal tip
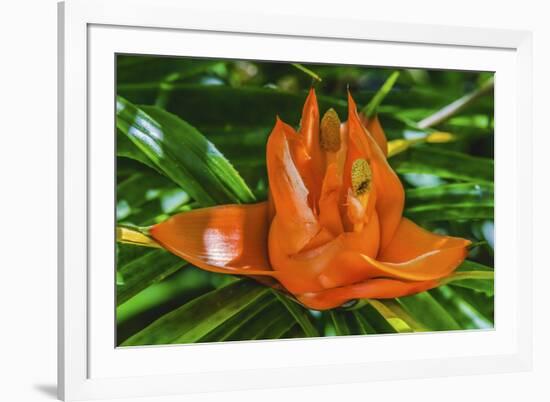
x: 351, y: 102
x: 311, y: 100
x: 279, y: 123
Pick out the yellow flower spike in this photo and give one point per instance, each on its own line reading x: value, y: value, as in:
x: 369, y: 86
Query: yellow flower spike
x: 332, y: 140
x: 440, y: 137
x: 330, y: 131
x: 358, y: 199
x: 397, y: 146
x: 361, y: 177
x: 131, y: 236
x: 401, y: 145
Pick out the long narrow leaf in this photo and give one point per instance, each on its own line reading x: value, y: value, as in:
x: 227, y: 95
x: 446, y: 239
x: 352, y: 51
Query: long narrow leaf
x: 371, y: 109
x: 428, y: 312
x: 445, y: 164
x: 217, y: 107
x: 127, y: 149
x: 135, y: 70
x: 463, y: 311
x: 362, y: 323
x: 300, y: 314
x: 235, y: 325
x: 265, y: 321
x: 459, y: 201
x: 276, y: 328
x: 338, y: 320
x: 450, y: 194
x: 475, y: 276
x: 396, y: 316
x: 183, y: 154
x: 195, y: 319
x: 450, y: 212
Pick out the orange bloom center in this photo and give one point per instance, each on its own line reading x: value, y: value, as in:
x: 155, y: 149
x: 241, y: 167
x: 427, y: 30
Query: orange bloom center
x: 332, y: 229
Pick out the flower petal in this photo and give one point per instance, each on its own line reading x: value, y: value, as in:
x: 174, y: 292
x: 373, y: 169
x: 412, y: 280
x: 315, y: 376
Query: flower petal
x: 348, y: 264
x: 309, y: 132
x: 329, y: 212
x: 370, y: 289
x: 411, y: 241
x: 288, y: 193
x: 436, y: 264
x: 329, y: 264
x: 298, y: 151
x: 376, y: 131
x: 227, y: 239
x: 389, y: 190
x: 297, y: 271
x: 413, y: 255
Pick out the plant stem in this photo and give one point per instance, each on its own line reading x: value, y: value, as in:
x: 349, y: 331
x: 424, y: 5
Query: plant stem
x: 456, y: 106
x: 400, y: 145
x: 372, y: 107
x: 307, y: 71
x: 135, y: 236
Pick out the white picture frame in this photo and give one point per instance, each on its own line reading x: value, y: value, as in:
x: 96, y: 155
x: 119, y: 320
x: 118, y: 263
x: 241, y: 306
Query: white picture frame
x: 91, y: 32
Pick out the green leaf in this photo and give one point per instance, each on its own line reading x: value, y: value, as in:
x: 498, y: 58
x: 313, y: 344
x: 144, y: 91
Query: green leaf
x: 119, y: 279
x: 473, y: 275
x: 470, y: 275
x: 450, y: 194
x: 459, y: 201
x: 295, y: 332
x: 369, y: 318
x: 371, y: 109
x: 160, y: 298
x: 428, y: 312
x: 450, y: 212
x: 457, y: 105
x: 133, y: 70
x: 307, y: 71
x: 195, y: 319
x: 235, y: 325
x: 150, y: 267
x: 183, y: 154
x: 216, y: 108
x: 276, y: 328
x: 273, y: 320
x: 396, y: 316
x: 464, y: 312
x: 134, y: 195
x: 127, y: 149
x: 299, y: 313
x: 146, y: 198
x: 445, y: 164
x: 338, y: 320
x: 468, y: 266
x: 482, y: 302
x: 363, y: 324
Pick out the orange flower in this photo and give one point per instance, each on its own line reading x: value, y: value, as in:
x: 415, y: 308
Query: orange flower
x: 332, y: 229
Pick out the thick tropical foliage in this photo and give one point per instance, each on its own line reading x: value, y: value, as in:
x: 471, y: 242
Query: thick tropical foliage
x: 198, y: 139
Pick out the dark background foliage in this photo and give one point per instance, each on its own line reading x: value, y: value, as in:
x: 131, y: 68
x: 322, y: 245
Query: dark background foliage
x: 233, y: 104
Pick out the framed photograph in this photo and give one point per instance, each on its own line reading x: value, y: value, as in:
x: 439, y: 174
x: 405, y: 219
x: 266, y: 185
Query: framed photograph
x: 248, y: 202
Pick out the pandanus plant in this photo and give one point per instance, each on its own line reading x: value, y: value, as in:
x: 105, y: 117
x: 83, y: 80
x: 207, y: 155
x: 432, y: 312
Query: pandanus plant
x: 332, y: 229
